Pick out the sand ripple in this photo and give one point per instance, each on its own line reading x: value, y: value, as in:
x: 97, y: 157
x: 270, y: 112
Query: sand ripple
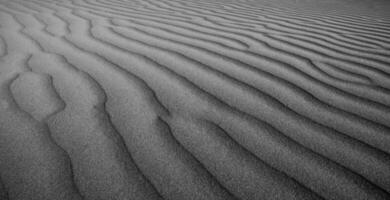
x: 210, y: 99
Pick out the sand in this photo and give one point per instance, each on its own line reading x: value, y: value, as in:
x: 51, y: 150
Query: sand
x: 194, y: 99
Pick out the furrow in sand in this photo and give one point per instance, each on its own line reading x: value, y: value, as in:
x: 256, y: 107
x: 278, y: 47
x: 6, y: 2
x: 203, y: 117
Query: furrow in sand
x: 377, y: 75
x: 102, y: 166
x: 338, y: 48
x: 230, y: 163
x: 339, y: 39
x: 204, y: 13
x: 101, y: 31
x: 255, y: 19
x: 201, y: 184
x: 334, y: 24
x: 114, y: 176
x: 246, y: 7
x: 173, y: 87
x: 266, y: 10
x: 222, y: 65
x: 142, y: 132
x: 92, y: 5
x: 343, y: 75
x: 330, y: 38
x: 326, y: 19
x: 308, y: 13
x: 189, y: 102
x: 203, y: 99
x: 80, y: 6
x: 327, y: 27
x: 32, y: 166
x: 164, y: 161
x: 150, y: 6
x: 172, y: 44
x: 211, y: 36
x: 265, y: 108
x: 237, y: 44
x: 367, y: 40
x: 384, y: 40
x: 165, y: 30
x: 246, y: 33
x: 189, y: 32
x: 320, y: 49
x: 224, y: 14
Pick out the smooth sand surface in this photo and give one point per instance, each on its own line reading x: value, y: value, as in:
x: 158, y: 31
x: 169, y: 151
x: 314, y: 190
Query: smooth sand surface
x: 194, y: 99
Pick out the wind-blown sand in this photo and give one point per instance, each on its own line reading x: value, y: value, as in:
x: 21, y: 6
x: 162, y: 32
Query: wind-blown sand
x: 194, y: 99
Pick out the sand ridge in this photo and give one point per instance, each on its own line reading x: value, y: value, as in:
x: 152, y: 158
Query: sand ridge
x: 210, y: 99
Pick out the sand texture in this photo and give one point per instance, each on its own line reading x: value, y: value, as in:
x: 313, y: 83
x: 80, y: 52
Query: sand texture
x: 194, y: 100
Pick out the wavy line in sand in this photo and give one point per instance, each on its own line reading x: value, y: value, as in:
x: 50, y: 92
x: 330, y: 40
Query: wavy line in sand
x: 194, y: 100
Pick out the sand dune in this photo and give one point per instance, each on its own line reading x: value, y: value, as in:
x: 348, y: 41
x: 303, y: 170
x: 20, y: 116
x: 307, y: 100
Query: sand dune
x: 209, y: 99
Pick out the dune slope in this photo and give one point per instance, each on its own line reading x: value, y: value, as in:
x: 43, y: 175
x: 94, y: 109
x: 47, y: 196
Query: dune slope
x: 194, y: 99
